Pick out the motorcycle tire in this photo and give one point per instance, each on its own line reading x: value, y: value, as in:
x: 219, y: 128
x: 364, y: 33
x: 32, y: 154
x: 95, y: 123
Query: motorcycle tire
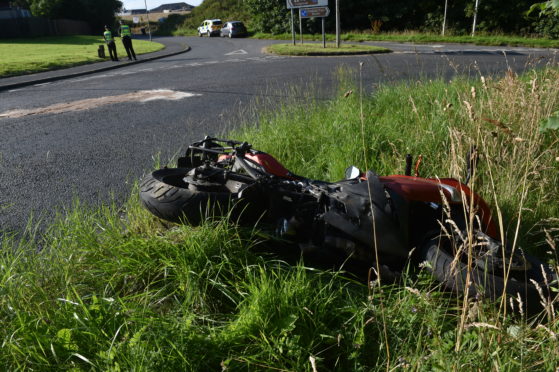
x: 165, y: 194
x: 488, y: 284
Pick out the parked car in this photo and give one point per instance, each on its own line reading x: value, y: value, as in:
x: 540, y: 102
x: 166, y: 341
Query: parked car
x: 210, y: 27
x: 233, y: 29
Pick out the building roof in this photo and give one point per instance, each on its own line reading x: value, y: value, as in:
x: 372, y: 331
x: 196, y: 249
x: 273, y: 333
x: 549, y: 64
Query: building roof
x: 172, y: 6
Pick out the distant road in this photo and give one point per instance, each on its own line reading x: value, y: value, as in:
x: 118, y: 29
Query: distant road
x: 92, y: 137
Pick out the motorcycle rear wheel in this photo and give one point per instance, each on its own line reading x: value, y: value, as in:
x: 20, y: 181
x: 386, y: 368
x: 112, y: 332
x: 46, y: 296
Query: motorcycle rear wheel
x: 453, y: 273
x: 165, y: 194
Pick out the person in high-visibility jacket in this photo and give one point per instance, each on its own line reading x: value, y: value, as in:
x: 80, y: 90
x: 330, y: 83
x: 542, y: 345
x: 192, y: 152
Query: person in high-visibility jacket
x: 126, y: 36
x: 110, y: 40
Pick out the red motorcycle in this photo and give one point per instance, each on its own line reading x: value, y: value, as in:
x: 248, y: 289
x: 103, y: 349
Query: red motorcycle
x: 381, y: 222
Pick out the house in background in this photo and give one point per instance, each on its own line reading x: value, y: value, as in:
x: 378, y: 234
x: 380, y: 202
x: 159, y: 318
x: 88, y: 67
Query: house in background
x: 127, y: 12
x: 173, y: 7
x: 165, y: 8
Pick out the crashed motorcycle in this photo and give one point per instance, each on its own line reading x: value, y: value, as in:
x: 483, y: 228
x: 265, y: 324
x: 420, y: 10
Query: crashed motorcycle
x: 382, y: 222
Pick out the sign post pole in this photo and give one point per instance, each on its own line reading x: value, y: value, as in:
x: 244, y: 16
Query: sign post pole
x: 444, y: 17
x: 475, y: 18
x: 293, y: 25
x: 323, y: 32
x: 337, y: 24
x: 147, y: 16
x: 301, y: 26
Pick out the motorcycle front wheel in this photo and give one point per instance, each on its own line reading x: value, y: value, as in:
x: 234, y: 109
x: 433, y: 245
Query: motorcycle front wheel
x: 168, y: 196
x: 492, y: 271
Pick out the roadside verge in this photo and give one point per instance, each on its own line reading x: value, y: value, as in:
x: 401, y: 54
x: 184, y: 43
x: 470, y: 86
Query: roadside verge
x: 316, y: 49
x: 171, y: 48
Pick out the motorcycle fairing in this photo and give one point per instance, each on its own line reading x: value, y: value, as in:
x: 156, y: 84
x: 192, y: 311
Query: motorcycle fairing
x: 368, y: 217
x: 432, y: 190
x: 270, y: 164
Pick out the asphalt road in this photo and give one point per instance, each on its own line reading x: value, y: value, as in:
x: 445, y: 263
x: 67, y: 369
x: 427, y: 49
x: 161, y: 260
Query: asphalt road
x: 49, y: 159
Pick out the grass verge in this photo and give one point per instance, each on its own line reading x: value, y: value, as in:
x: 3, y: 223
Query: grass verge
x: 408, y: 37
x: 25, y: 56
x: 417, y: 37
x: 330, y: 50
x: 116, y: 289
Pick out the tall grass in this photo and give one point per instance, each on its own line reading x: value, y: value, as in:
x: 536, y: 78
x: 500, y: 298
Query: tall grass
x: 437, y: 119
x: 116, y: 289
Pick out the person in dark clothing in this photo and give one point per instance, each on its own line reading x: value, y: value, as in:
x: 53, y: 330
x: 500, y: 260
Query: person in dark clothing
x: 126, y: 36
x: 109, y: 39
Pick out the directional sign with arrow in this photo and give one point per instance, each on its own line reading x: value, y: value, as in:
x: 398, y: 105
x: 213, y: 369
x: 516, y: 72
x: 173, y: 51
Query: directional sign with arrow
x: 293, y: 4
x: 319, y: 11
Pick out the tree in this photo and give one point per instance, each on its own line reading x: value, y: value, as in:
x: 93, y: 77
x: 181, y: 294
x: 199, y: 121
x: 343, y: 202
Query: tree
x: 95, y: 12
x: 546, y: 7
x: 269, y: 15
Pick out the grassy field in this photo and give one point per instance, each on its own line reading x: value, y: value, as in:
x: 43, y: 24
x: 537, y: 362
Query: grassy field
x: 24, y: 56
x: 316, y: 49
x: 116, y: 289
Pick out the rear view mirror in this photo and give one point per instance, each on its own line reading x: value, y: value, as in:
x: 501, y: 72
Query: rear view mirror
x: 352, y: 172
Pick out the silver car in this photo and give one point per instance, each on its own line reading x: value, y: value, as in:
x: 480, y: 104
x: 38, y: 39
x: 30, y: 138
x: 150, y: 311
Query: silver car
x: 233, y: 29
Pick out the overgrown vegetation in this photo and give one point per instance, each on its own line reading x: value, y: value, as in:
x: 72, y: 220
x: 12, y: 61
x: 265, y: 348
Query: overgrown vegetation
x: 228, y: 10
x: 417, y: 37
x: 25, y: 56
x: 96, y: 13
x: 493, y: 17
x: 117, y: 289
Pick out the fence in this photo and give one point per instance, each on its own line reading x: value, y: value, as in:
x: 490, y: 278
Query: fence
x: 33, y: 27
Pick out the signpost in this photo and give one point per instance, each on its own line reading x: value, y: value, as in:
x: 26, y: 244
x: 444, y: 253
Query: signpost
x: 308, y: 9
x: 319, y: 12
x: 292, y: 4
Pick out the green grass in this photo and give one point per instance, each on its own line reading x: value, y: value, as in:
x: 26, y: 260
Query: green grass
x: 116, y: 289
x: 417, y: 37
x: 315, y: 49
x: 407, y: 37
x: 24, y: 56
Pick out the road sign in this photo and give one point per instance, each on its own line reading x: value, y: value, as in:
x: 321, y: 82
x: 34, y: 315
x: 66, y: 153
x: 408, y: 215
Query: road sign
x: 319, y: 11
x: 292, y: 4
x: 135, y: 20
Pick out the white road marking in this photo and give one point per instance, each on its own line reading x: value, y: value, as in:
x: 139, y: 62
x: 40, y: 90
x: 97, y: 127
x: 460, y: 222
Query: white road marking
x: 91, y: 77
x: 42, y: 84
x: 240, y: 51
x: 257, y: 59
x: 86, y: 104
